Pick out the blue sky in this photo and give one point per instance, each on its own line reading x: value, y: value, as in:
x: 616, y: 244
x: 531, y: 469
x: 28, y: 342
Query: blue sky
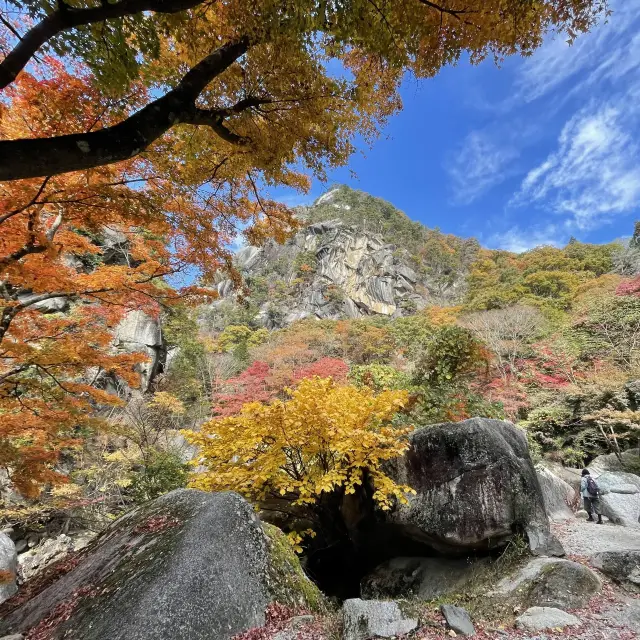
x: 532, y: 153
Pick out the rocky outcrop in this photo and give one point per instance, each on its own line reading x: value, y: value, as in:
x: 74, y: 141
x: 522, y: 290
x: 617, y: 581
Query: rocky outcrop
x: 557, y: 495
x: 611, y: 462
x: 550, y: 582
x: 354, y: 274
x: 188, y: 566
x: 140, y: 333
x: 567, y: 474
x: 355, y: 256
x: 365, y: 619
x: 621, y: 566
x: 8, y: 567
x: 475, y: 486
x: 620, y: 499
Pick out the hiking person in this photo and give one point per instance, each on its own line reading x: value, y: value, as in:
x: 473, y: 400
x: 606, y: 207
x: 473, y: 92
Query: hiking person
x: 591, y: 496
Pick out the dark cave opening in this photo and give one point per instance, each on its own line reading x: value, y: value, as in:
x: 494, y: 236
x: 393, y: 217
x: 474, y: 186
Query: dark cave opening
x: 340, y: 568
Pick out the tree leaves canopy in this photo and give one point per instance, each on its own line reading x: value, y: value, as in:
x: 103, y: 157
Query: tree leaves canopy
x: 265, y: 83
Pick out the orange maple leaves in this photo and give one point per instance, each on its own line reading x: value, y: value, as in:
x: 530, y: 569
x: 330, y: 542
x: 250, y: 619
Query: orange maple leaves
x: 77, y: 252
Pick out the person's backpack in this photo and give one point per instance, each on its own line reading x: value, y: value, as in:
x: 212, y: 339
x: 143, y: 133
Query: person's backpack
x: 592, y: 486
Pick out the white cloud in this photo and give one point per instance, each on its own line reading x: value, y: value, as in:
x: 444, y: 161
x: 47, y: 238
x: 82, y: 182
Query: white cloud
x: 595, y: 171
x: 519, y: 240
x: 608, y: 53
x: 478, y: 165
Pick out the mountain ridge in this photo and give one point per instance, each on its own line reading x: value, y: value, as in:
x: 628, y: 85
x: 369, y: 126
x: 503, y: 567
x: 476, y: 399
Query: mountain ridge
x: 355, y: 256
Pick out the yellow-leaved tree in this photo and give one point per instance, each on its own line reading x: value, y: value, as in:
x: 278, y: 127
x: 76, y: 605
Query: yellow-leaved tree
x: 302, y: 455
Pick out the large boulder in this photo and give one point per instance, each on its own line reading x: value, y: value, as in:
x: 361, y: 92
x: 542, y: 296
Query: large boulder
x: 558, y: 495
x: 8, y: 567
x: 550, y: 582
x: 611, y: 462
x: 187, y: 566
x: 621, y: 566
x: 570, y: 475
x: 620, y: 499
x: 475, y: 486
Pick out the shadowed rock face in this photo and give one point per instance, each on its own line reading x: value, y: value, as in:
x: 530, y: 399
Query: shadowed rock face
x: 475, y: 486
x: 139, y: 333
x: 188, y: 566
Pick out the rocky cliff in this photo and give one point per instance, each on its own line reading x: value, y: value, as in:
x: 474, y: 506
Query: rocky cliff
x: 354, y: 256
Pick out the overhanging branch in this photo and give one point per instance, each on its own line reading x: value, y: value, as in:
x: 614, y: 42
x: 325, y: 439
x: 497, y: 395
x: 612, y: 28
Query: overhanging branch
x: 35, y: 157
x: 66, y: 17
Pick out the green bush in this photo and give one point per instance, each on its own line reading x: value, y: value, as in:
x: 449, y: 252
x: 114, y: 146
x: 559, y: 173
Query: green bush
x: 162, y: 472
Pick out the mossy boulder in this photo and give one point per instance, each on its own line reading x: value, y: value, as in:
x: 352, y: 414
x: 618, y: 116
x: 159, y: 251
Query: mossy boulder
x: 187, y: 566
x: 549, y: 582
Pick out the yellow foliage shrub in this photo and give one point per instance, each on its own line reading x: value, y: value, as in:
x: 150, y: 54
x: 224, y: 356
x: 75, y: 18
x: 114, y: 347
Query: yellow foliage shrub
x: 323, y: 438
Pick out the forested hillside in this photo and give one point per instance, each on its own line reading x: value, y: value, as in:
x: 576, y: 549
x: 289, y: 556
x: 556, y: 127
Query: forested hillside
x: 547, y: 338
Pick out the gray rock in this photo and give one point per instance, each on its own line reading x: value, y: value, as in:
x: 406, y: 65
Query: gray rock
x: 628, y: 615
x: 39, y: 557
x: 620, y: 501
x: 13, y: 636
x: 540, y: 618
x: 287, y: 634
x: 21, y: 545
x: 51, y: 305
x: 550, y: 582
x: 556, y: 493
x: 542, y: 542
x: 618, y: 482
x: 300, y: 621
x: 621, y: 566
x: 365, y: 619
x: 8, y: 567
x: 475, y: 485
x: 246, y: 257
x: 139, y: 332
x: 568, y: 474
x: 425, y: 578
x: 458, y: 619
x: 187, y: 566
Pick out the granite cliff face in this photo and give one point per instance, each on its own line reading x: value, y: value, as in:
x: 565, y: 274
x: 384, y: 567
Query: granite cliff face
x: 355, y: 256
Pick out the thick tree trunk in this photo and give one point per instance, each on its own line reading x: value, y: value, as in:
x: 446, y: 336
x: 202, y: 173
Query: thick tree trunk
x: 30, y: 158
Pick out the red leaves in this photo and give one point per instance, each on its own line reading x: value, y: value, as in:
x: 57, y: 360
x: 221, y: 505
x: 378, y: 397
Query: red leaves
x: 45, y: 629
x: 250, y: 386
x: 156, y: 524
x: 324, y: 368
x: 278, y: 618
x: 261, y: 382
x: 629, y: 288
